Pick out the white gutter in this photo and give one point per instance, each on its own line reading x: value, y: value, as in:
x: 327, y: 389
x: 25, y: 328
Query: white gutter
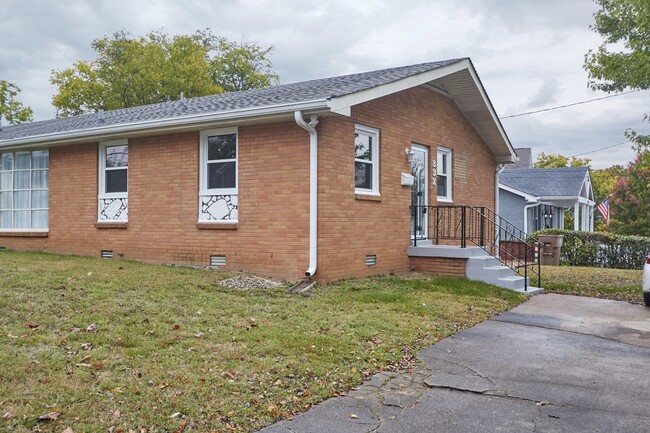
x: 313, y: 188
x: 166, y: 123
x: 528, y: 206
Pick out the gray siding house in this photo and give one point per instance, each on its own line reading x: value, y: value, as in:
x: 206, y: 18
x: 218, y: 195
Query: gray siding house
x: 537, y: 198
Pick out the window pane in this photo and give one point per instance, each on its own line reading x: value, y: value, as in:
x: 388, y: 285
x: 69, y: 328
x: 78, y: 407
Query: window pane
x: 222, y: 175
x: 7, y: 161
x: 40, y: 158
x: 21, y: 219
x: 363, y: 175
x: 442, y: 186
x: 21, y: 200
x: 222, y: 147
x: 5, y: 220
x: 6, y: 180
x: 39, y: 179
x: 363, y: 146
x: 6, y: 200
x: 116, y: 180
x: 21, y: 179
x: 39, y: 200
x: 39, y: 219
x: 23, y: 160
x: 117, y: 156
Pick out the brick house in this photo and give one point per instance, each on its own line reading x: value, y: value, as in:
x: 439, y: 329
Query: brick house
x: 306, y: 178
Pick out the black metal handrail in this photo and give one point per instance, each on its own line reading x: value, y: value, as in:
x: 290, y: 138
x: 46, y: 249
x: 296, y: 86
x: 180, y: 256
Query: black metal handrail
x: 480, y: 226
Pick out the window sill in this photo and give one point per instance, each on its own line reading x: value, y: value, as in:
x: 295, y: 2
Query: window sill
x: 18, y: 234
x: 112, y: 225
x: 444, y: 200
x: 367, y: 197
x: 216, y: 226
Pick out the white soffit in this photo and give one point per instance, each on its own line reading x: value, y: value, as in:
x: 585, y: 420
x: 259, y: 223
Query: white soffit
x: 464, y: 88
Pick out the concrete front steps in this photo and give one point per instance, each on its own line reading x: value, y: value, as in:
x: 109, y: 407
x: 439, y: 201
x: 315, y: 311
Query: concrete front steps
x: 479, y: 266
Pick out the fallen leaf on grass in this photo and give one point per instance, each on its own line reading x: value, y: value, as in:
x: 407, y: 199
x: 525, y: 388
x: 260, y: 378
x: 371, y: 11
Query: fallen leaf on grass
x: 50, y: 416
x: 116, y: 414
x: 91, y: 328
x: 87, y: 346
x: 97, y: 364
x: 8, y: 415
x: 176, y: 415
x: 83, y: 365
x: 68, y: 430
x: 32, y: 325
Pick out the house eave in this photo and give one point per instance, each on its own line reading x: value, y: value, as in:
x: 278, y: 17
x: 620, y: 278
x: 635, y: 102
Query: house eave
x: 182, y: 123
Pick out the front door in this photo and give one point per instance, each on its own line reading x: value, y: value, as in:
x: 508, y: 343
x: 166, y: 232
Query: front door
x: 419, y: 191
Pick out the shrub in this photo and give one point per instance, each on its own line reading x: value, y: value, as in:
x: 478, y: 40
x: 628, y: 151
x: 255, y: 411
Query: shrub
x: 600, y: 249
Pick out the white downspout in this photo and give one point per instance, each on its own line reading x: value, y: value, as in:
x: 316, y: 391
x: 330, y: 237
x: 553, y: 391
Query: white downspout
x: 313, y: 188
x: 528, y: 206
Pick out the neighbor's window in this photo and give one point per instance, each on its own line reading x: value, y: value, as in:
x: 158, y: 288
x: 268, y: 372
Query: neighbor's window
x: 443, y: 178
x: 24, y: 190
x: 366, y: 160
x: 113, y: 181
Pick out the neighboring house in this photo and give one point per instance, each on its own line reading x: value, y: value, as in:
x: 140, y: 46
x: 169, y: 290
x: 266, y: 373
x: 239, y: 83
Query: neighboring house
x: 537, y: 198
x: 305, y: 178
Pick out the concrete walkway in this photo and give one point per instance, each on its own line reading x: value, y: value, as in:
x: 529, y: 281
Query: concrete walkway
x: 554, y: 364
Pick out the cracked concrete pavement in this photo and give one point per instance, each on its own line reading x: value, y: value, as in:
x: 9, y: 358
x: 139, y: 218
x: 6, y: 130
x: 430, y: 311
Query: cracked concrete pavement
x: 553, y: 364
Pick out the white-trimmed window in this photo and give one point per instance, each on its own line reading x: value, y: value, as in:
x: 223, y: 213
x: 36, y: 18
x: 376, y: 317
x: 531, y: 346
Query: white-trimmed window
x: 113, y: 181
x: 366, y: 160
x: 24, y: 190
x: 218, y: 191
x: 443, y: 174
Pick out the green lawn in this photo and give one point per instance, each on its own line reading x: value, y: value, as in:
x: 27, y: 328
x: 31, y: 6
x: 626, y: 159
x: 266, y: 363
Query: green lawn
x: 617, y: 284
x: 175, y: 351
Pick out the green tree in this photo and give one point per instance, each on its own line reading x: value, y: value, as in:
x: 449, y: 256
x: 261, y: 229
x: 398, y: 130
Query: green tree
x: 155, y: 68
x: 555, y: 160
x: 626, y: 24
x: 630, y: 201
x: 12, y: 111
x: 242, y: 66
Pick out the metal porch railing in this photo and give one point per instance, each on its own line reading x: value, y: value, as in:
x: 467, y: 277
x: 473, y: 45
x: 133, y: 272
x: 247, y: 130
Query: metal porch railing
x: 482, y: 227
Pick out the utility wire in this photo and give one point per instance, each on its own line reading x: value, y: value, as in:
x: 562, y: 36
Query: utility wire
x: 602, y: 148
x: 569, y: 105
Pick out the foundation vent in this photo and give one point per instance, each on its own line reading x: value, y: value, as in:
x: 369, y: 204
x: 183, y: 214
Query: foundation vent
x: 106, y: 254
x: 217, y: 260
x: 371, y: 260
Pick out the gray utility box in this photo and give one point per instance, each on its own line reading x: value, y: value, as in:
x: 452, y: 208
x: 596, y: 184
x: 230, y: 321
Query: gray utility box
x: 552, y: 245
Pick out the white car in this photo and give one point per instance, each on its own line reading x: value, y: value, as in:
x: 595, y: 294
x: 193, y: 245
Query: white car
x: 646, y: 281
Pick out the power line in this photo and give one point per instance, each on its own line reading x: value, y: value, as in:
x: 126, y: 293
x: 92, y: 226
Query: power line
x: 569, y: 105
x: 602, y: 148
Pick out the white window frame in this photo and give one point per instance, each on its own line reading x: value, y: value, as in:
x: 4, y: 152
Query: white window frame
x: 203, y: 176
x: 448, y: 152
x: 102, y: 170
x: 31, y: 189
x: 374, y: 134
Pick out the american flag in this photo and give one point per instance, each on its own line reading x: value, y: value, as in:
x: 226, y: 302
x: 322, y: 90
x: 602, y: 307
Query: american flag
x: 603, y: 208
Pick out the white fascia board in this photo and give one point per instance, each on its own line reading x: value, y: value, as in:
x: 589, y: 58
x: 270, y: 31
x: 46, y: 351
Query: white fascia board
x: 528, y: 197
x: 187, y: 122
x: 343, y: 104
x: 567, y: 198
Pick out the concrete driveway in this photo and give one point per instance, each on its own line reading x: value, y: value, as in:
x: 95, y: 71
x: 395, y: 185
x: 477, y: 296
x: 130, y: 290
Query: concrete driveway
x: 554, y: 364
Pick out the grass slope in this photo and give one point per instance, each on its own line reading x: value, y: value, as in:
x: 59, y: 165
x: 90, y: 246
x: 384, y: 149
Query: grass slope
x: 175, y: 351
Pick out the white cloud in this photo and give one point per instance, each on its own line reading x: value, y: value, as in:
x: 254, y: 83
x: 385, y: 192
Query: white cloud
x: 529, y: 54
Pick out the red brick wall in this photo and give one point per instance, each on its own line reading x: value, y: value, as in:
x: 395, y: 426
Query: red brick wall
x: 351, y: 228
x: 272, y: 236
x: 451, y: 267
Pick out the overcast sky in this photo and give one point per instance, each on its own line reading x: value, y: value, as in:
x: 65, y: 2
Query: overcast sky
x: 528, y: 53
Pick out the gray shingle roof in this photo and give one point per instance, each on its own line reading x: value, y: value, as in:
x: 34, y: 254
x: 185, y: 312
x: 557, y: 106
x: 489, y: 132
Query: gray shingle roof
x: 525, y: 155
x: 314, y: 90
x: 546, y: 182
